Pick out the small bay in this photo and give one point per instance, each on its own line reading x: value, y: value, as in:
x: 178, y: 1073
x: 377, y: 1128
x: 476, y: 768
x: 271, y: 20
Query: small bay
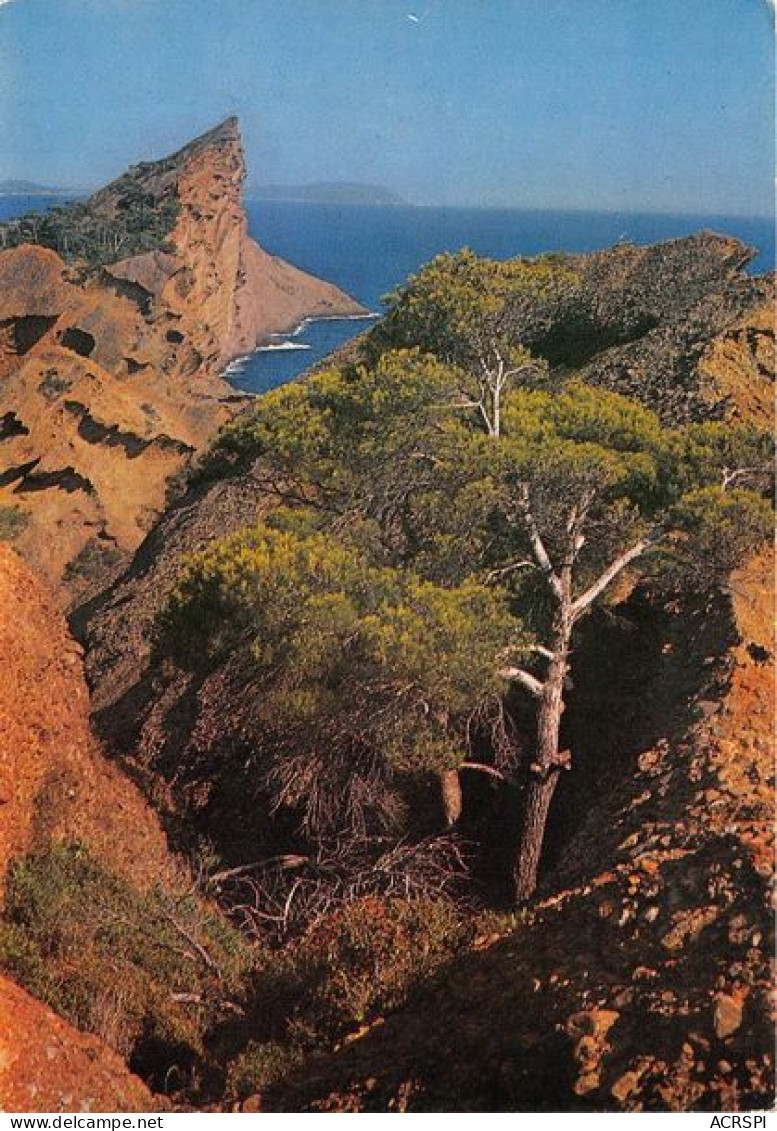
x: 369, y: 251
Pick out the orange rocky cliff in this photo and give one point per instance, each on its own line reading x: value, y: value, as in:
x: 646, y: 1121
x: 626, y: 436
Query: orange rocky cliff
x: 55, y: 785
x: 110, y: 373
x: 47, y: 1065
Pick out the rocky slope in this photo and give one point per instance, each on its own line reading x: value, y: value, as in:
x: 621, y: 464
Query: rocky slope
x: 669, y: 308
x: 69, y: 816
x: 109, y: 365
x: 47, y: 1065
x: 54, y: 781
x: 56, y: 785
x: 643, y: 982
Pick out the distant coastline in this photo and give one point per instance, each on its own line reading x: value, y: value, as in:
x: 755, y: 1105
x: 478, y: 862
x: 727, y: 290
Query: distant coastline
x: 354, y: 193
x: 12, y: 187
x: 329, y: 192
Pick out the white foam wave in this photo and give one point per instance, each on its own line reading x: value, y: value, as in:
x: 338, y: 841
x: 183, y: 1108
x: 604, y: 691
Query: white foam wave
x: 237, y: 365
x: 281, y: 341
x: 285, y: 345
x: 306, y: 322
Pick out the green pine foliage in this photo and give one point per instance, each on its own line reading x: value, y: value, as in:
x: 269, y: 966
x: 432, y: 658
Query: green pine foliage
x: 89, y: 236
x: 465, y: 308
x: 361, y: 671
x: 444, y: 515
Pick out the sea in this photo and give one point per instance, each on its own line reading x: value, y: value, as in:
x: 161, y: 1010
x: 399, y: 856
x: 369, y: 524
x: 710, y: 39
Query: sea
x: 369, y: 251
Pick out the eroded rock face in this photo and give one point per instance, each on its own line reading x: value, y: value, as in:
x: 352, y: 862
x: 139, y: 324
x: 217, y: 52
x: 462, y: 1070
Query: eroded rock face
x: 664, y: 308
x: 738, y: 367
x: 56, y: 785
x: 54, y: 782
x: 110, y: 378
x: 47, y: 1065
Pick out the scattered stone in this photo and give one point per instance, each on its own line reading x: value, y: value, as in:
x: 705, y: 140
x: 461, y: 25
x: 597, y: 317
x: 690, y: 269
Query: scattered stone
x: 625, y: 1086
x: 727, y: 1015
x: 644, y: 972
x: 589, y: 1029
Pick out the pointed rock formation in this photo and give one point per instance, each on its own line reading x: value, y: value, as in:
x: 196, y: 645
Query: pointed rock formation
x: 117, y: 316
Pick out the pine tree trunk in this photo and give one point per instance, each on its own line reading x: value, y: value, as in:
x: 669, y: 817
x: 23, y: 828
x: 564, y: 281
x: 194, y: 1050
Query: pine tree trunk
x: 539, y: 797
x: 450, y: 786
x: 545, y: 770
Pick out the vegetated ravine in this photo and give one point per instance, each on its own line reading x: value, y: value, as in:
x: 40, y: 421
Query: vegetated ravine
x: 447, y: 675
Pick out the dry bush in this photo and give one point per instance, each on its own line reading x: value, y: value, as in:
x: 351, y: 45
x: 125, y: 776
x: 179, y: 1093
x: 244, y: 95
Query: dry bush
x: 281, y: 898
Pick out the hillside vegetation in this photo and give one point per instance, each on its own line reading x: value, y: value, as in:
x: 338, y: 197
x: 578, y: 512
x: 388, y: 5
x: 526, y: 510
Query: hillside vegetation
x: 448, y: 677
x: 444, y: 523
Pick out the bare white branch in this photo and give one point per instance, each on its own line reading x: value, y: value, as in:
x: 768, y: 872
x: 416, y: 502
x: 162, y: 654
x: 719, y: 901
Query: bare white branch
x: 585, y: 600
x: 483, y: 769
x: 538, y: 546
x: 732, y: 476
x: 526, y: 679
x: 494, y: 573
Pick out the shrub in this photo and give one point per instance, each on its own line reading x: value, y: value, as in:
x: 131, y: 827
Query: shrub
x: 260, y: 1066
x: 352, y: 965
x: 92, y: 562
x: 13, y: 521
x: 366, y: 957
x: 375, y: 951
x: 53, y: 385
x: 139, y: 969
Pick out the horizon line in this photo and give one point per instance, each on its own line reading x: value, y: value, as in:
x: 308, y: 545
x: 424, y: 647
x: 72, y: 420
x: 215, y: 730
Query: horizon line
x: 491, y: 206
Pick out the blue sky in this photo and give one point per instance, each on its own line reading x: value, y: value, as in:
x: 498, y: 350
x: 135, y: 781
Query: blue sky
x: 662, y: 105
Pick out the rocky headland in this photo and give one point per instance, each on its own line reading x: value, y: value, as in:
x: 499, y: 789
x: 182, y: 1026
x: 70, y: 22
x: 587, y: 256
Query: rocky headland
x: 117, y: 317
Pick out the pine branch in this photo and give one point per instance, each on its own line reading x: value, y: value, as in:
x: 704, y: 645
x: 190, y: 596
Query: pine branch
x: 585, y: 600
x: 538, y: 546
x: 530, y: 682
